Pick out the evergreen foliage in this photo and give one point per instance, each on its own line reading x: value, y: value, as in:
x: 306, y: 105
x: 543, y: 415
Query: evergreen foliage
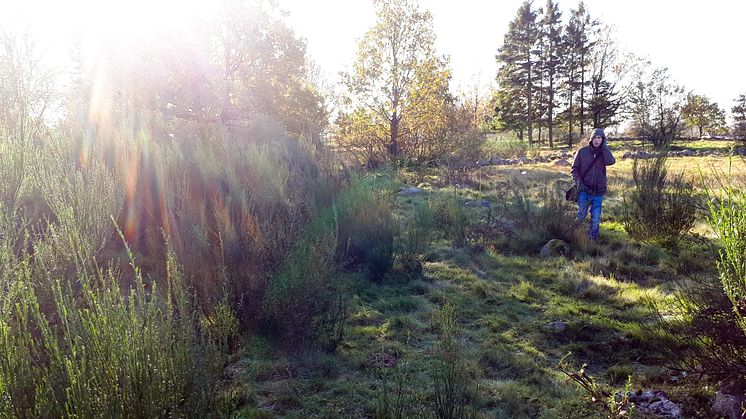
x: 579, y: 42
x: 552, y: 61
x: 518, y: 72
x: 739, y: 117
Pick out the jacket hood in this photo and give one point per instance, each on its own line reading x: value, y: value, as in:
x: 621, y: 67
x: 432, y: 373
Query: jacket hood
x: 595, y: 132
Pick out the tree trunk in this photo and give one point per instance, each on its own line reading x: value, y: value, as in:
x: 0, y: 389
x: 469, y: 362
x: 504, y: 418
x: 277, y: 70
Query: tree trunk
x: 541, y: 104
x: 551, y: 111
x: 569, y: 119
x: 394, y: 138
x: 582, y: 96
x: 529, y: 111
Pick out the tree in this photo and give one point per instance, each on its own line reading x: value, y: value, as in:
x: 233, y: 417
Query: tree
x: 430, y: 103
x: 551, y: 33
x: 739, y: 117
x: 655, y: 105
x: 264, y: 69
x: 518, y: 71
x: 510, y: 112
x: 605, y: 100
x: 700, y: 113
x: 26, y: 92
x: 26, y: 87
x: 237, y: 64
x: 395, y: 60
x: 358, y: 133
x: 578, y: 43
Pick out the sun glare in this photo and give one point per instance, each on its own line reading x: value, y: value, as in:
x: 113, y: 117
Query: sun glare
x: 55, y: 24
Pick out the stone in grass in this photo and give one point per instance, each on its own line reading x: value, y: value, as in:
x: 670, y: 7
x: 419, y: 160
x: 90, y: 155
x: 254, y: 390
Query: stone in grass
x: 555, y: 247
x: 729, y: 405
x: 557, y: 326
x: 410, y: 191
x: 655, y: 402
x: 561, y: 162
x: 478, y: 203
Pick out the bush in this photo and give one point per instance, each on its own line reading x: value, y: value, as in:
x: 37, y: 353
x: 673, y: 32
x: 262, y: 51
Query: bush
x: 366, y: 226
x: 395, y: 400
x: 728, y: 220
x: 511, y: 149
x: 305, y: 300
x: 416, y: 232
x: 659, y: 209
x: 538, y: 221
x: 14, y: 159
x: 82, y: 200
x: 700, y: 332
x: 453, y: 390
x: 451, y: 217
x: 98, y: 353
x: 705, y: 328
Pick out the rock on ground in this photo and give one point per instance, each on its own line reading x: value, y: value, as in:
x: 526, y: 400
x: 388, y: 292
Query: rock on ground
x: 555, y: 247
x: 410, y: 191
x: 729, y: 405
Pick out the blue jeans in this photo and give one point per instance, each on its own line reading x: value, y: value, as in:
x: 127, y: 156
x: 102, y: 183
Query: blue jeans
x: 594, y: 202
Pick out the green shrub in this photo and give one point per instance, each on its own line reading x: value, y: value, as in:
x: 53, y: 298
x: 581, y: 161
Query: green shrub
x: 297, y: 297
x: 415, y: 233
x: 728, y: 220
x: 418, y: 230
x: 705, y: 329
x: 14, y: 160
x: 395, y: 400
x: 612, y: 404
x: 233, y: 207
x: 99, y: 353
x: 82, y: 201
x: 307, y: 299
x: 511, y: 149
x: 222, y: 324
x: 659, y: 209
x: 452, y: 381
x: 700, y: 331
x: 538, y: 221
x: 451, y: 217
x: 366, y: 226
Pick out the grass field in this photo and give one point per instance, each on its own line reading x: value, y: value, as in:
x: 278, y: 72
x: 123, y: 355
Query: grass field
x: 515, y: 315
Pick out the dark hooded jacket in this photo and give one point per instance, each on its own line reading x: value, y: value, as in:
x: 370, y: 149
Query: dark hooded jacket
x: 594, y: 180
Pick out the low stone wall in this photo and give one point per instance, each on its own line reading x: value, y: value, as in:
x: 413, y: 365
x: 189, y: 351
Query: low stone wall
x: 563, y: 158
x: 741, y: 151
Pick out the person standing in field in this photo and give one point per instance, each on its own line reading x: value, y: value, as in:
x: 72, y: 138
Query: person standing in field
x: 589, y: 174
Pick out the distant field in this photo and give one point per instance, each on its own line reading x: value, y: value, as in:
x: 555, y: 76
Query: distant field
x: 706, y: 144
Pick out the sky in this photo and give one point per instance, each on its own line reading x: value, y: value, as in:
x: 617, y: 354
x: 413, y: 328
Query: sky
x: 698, y: 42
x: 701, y: 42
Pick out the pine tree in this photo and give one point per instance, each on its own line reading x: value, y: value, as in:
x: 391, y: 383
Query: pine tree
x: 739, y: 116
x: 578, y: 43
x: 551, y: 33
x: 517, y: 75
